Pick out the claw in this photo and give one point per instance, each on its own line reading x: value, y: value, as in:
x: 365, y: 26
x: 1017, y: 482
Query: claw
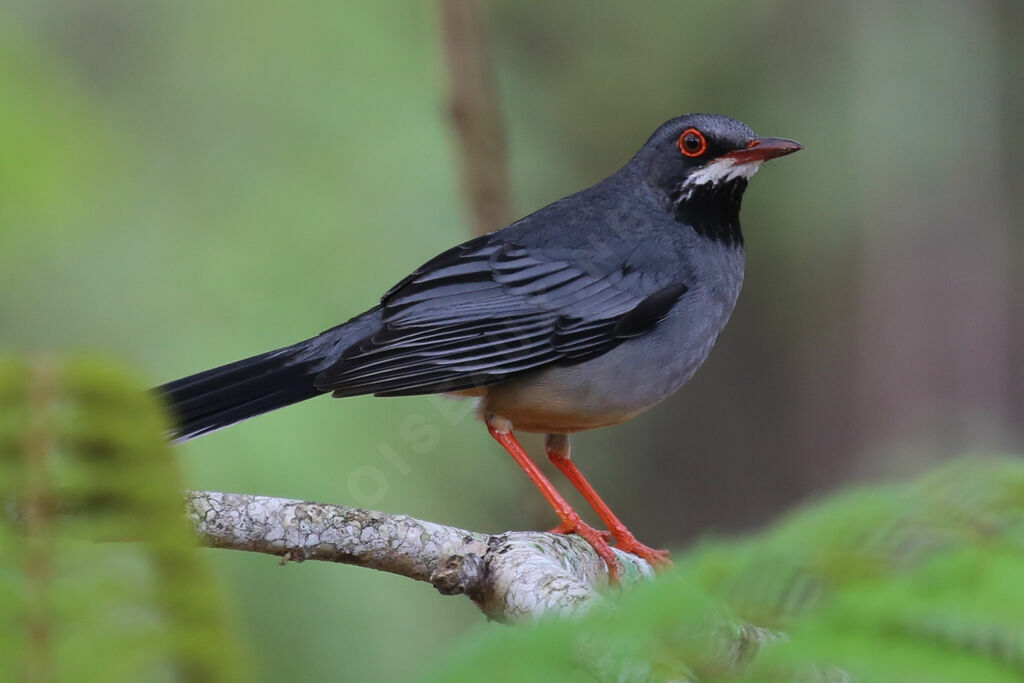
x: 598, y: 539
x: 659, y: 559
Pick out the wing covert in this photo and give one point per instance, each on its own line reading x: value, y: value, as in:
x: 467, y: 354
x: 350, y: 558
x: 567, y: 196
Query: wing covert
x: 487, y: 310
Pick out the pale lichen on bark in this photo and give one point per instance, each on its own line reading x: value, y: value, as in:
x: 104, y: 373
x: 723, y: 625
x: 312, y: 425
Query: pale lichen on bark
x: 511, y: 576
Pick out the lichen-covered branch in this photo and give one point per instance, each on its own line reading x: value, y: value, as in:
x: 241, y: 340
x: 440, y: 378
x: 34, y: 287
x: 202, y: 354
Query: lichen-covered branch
x: 510, y: 576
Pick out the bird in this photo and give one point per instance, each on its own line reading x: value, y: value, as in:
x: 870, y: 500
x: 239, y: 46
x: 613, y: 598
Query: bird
x: 580, y: 315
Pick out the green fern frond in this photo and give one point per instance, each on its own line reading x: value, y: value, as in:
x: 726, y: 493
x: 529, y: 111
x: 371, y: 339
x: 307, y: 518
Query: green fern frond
x: 919, y: 582
x: 83, y: 461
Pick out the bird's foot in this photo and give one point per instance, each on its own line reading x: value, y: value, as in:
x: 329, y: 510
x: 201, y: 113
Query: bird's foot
x: 598, y: 540
x: 659, y: 559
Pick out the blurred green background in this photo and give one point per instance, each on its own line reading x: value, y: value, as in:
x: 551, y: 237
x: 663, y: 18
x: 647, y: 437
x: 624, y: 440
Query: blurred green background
x: 183, y: 184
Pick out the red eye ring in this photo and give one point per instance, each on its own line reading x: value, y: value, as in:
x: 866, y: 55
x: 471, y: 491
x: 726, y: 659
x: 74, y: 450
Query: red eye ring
x: 692, y: 143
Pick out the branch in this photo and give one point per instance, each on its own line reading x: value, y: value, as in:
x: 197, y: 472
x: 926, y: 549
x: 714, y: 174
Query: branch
x: 510, y: 576
x: 475, y: 115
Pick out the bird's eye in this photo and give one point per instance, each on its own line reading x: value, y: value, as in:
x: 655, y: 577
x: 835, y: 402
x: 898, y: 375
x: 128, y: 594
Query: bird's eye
x: 692, y: 143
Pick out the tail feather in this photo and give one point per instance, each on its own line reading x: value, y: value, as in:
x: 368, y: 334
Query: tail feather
x: 223, y: 396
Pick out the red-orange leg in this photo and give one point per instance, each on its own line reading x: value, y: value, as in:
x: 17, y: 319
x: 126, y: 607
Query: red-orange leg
x: 557, y: 447
x: 570, y: 520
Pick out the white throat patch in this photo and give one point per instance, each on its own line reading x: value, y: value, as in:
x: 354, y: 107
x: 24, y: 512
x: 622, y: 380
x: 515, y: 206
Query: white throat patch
x: 718, y: 171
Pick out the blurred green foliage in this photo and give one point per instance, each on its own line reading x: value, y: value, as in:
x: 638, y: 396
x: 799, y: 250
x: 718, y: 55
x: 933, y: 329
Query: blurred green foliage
x: 893, y: 584
x: 187, y: 182
x: 83, y: 463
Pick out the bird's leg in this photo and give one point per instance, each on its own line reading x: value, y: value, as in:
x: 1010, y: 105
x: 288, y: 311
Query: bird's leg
x: 561, y: 529
x: 557, y: 447
x: 571, y: 523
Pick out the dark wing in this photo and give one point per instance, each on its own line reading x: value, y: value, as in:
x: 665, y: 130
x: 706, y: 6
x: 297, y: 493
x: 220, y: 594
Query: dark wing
x: 488, y: 310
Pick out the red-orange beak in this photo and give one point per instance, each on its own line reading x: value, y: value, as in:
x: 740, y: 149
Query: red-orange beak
x: 763, y: 149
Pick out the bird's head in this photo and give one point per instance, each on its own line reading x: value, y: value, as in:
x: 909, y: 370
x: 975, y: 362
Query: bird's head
x: 694, y: 153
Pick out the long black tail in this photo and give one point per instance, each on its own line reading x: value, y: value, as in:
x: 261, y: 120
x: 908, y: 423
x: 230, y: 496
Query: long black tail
x: 218, y: 398
x: 222, y: 396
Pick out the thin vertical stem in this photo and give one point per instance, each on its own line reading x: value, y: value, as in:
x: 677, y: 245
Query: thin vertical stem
x: 475, y: 115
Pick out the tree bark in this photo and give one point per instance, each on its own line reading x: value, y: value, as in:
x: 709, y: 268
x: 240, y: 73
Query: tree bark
x: 512, y: 576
